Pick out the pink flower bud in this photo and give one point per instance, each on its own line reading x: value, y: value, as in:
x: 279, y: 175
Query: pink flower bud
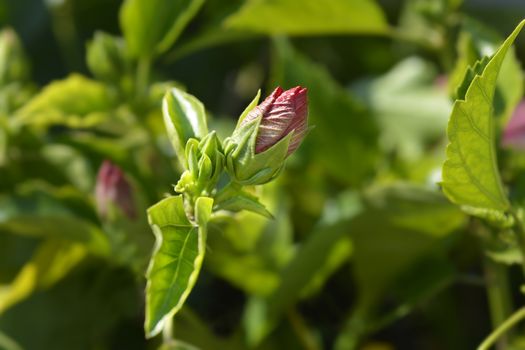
x: 112, y: 188
x: 514, y: 133
x: 282, y: 112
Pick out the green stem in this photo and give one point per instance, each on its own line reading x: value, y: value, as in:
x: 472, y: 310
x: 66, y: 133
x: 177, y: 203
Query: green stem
x: 520, y: 235
x: 301, y: 330
x: 142, y: 78
x: 167, y: 332
x: 502, y: 329
x: 500, y: 298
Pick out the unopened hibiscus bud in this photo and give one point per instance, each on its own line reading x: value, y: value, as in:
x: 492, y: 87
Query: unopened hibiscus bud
x: 112, y: 189
x: 266, y: 135
x: 514, y: 133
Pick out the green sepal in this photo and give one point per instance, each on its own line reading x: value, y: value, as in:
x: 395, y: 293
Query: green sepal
x: 244, y: 201
x: 251, y: 106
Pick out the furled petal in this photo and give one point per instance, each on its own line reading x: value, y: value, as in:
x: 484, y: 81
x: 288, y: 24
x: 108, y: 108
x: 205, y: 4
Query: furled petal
x: 299, y: 124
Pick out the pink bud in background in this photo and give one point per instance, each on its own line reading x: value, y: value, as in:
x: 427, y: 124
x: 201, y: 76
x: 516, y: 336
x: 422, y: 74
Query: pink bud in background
x: 282, y: 112
x: 112, y: 188
x: 514, y: 133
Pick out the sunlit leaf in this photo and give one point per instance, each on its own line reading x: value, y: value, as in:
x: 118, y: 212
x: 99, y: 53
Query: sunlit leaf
x: 151, y: 26
x: 75, y: 101
x: 411, y: 110
x: 310, y: 17
x: 51, y: 262
x: 476, y: 41
x: 176, y: 260
x: 184, y: 118
x: 470, y: 173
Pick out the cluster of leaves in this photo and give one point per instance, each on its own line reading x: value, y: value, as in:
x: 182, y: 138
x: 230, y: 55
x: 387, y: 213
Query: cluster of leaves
x: 363, y: 246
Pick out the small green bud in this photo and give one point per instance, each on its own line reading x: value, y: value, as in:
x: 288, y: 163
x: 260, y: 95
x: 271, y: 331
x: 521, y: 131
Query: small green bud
x: 14, y: 65
x: 204, y: 164
x: 266, y: 135
x: 107, y: 58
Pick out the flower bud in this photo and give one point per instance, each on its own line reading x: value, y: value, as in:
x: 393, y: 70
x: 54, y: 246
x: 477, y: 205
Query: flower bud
x: 14, y: 65
x: 514, y: 133
x: 266, y: 135
x: 204, y: 160
x: 107, y: 58
x: 112, y: 188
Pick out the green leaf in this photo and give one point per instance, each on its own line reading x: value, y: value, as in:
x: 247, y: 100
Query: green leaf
x: 107, y: 57
x: 76, y: 102
x: 184, y: 118
x: 176, y: 260
x: 14, y: 65
x: 310, y: 17
x: 78, y: 312
x: 344, y: 139
x: 476, y: 41
x: 311, y: 259
x: 51, y: 262
x: 43, y: 215
x: 152, y: 26
x: 470, y: 173
x: 7, y: 343
x: 411, y: 110
x: 244, y: 201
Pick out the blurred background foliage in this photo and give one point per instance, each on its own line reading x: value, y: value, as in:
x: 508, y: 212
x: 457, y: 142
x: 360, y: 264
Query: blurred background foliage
x: 364, y: 251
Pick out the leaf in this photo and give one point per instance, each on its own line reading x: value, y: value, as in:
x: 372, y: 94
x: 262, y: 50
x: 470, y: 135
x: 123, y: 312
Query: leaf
x: 177, y: 258
x: 52, y: 261
x: 312, y: 258
x: 151, y: 26
x: 75, y: 102
x: 245, y: 201
x: 106, y: 58
x: 470, y: 173
x: 14, y: 65
x: 344, y: 141
x: 184, y: 118
x: 7, y: 343
x: 401, y: 227
x: 247, y: 249
x: 310, y: 17
x: 44, y: 215
x: 476, y: 41
x: 79, y: 312
x: 410, y: 109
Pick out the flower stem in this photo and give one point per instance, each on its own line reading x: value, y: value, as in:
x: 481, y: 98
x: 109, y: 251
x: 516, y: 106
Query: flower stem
x: 502, y: 329
x: 499, y: 296
x: 167, y: 331
x: 301, y: 330
x: 142, y: 78
x: 520, y: 235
